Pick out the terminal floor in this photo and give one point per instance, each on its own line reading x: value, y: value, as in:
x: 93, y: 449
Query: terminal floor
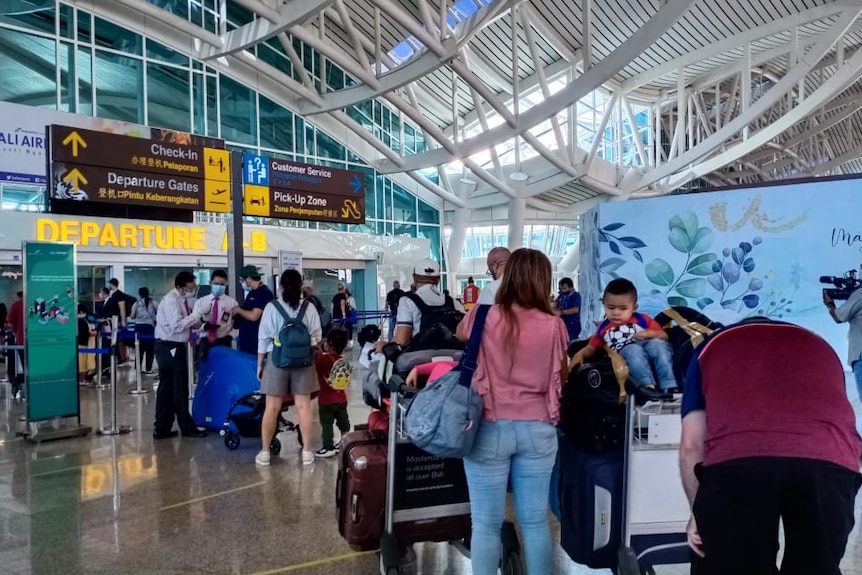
x: 131, y: 505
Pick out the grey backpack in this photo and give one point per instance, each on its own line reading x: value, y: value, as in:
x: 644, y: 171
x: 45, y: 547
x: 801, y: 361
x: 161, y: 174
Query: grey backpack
x: 292, y: 347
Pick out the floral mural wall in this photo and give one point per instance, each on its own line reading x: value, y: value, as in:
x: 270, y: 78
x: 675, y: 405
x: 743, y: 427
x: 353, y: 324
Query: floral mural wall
x: 731, y: 255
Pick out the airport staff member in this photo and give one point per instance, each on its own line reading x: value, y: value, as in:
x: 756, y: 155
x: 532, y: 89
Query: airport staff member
x: 768, y: 439
x: 850, y: 311
x: 257, y: 295
x: 216, y: 310
x: 174, y: 321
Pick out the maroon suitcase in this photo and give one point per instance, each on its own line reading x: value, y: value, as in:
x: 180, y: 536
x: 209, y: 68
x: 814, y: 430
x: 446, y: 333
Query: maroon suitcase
x: 360, y: 490
x: 361, y: 494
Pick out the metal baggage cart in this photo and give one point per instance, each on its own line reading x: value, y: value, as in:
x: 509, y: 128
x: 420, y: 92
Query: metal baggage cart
x: 655, y: 508
x: 424, y: 489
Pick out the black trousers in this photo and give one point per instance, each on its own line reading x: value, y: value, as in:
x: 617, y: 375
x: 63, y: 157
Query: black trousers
x: 146, y: 344
x: 172, y: 398
x: 739, y: 505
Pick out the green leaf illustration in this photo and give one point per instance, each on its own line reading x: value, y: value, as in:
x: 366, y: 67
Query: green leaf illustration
x: 675, y: 301
x: 702, y: 240
x: 679, y: 240
x: 702, y: 264
x: 687, y: 222
x: 694, y: 287
x: 659, y: 272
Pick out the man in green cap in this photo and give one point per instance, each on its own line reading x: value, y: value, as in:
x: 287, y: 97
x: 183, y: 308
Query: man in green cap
x: 247, y: 315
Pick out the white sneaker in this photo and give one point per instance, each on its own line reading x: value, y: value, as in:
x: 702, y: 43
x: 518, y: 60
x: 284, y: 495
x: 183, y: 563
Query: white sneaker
x: 263, y: 459
x: 307, y: 457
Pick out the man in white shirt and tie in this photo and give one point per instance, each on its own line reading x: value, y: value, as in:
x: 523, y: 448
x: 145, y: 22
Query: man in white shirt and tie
x: 174, y: 322
x: 215, y: 310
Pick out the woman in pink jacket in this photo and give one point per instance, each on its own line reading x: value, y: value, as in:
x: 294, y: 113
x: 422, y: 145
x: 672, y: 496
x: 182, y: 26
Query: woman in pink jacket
x: 521, y: 367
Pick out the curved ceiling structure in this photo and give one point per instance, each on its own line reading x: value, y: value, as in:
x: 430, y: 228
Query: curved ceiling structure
x: 590, y: 99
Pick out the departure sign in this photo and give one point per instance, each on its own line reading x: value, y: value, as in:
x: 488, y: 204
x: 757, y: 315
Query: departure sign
x: 281, y: 189
x: 101, y: 167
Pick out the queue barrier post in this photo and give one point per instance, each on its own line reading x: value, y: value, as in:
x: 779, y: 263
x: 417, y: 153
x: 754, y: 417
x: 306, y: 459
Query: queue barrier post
x: 114, y: 428
x: 139, y: 390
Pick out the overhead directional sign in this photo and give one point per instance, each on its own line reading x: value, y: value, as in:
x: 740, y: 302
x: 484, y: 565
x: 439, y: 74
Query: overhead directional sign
x: 281, y: 189
x: 102, y: 167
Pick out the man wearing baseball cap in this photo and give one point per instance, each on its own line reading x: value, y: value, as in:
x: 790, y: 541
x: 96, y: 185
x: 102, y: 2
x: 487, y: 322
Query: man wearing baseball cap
x: 247, y: 315
x: 428, y: 299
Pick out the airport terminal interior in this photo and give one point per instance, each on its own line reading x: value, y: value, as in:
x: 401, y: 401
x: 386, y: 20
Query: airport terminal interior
x: 704, y: 149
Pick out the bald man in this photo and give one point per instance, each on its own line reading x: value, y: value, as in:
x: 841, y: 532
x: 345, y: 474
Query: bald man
x: 497, y: 259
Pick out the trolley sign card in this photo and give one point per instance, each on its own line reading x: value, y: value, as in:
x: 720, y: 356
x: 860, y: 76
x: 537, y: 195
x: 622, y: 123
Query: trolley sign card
x: 423, y: 480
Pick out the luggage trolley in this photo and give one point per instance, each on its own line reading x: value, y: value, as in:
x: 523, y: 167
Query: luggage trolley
x: 426, y: 496
x: 655, y: 509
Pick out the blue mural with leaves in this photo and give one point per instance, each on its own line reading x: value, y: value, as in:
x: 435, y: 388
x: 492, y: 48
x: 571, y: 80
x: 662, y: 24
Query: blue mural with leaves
x: 733, y: 254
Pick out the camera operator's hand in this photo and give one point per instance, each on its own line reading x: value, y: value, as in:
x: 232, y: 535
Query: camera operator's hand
x: 827, y: 299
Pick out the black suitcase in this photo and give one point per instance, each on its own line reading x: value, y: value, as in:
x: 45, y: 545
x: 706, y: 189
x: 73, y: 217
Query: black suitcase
x: 591, y: 500
x: 591, y: 414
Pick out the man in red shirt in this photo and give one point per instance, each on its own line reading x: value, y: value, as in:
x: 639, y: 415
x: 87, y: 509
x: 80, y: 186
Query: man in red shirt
x: 471, y: 294
x: 15, y: 319
x: 331, y: 403
x: 768, y: 436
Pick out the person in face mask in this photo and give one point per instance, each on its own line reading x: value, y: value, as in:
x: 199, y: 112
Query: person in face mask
x: 175, y: 319
x: 248, y: 314
x: 216, y: 310
x: 568, y: 307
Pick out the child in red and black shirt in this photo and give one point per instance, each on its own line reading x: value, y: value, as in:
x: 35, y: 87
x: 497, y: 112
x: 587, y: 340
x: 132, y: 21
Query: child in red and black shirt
x: 331, y: 403
x: 636, y: 336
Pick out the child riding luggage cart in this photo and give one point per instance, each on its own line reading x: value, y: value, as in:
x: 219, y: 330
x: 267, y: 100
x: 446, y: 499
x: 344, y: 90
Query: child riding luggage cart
x: 655, y: 510
x: 425, y: 498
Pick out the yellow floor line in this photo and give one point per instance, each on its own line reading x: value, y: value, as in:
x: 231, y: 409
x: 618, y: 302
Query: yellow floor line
x: 315, y: 563
x: 214, y: 495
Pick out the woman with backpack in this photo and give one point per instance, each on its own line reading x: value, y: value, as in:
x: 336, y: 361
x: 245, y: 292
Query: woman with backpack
x: 289, y: 332
x: 144, y: 313
x: 521, y: 366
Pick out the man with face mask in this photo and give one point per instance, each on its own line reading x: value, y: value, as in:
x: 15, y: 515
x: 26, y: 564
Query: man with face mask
x: 247, y: 315
x: 216, y: 310
x: 174, y: 321
x: 568, y: 307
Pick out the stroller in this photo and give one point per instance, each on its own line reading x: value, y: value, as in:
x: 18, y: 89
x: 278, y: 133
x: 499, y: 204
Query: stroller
x: 244, y: 417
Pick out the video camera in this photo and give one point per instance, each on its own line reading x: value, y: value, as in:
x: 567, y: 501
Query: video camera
x: 844, y: 286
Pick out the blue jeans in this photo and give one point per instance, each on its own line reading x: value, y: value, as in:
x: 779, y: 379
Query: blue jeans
x: 640, y: 354
x: 528, y: 450
x: 857, y: 371
x: 392, y: 317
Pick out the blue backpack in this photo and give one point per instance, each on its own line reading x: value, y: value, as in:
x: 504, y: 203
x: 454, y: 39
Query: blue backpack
x: 292, y: 347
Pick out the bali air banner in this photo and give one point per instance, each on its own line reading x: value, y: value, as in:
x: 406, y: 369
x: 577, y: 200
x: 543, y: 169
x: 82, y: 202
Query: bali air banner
x: 734, y: 254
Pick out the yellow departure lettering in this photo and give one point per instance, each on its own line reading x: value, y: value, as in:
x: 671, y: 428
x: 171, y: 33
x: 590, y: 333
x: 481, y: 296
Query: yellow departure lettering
x: 69, y: 231
x: 198, y: 239
x: 89, y: 231
x: 47, y: 230
x: 128, y: 235
x: 108, y: 236
x: 181, y: 238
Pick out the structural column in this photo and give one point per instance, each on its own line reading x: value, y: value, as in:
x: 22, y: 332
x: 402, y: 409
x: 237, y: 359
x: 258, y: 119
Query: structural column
x: 460, y: 223
x: 517, y: 214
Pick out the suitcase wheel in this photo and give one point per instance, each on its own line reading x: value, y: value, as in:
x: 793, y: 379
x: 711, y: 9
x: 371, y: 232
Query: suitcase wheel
x: 627, y: 563
x: 231, y: 440
x: 275, y: 446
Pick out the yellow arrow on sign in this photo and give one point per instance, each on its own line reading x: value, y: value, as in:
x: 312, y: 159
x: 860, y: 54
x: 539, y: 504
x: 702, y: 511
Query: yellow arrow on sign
x: 76, y: 140
x: 75, y: 176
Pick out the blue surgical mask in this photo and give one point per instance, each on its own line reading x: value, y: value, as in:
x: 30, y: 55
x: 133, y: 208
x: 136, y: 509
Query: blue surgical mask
x: 217, y: 289
x: 246, y: 287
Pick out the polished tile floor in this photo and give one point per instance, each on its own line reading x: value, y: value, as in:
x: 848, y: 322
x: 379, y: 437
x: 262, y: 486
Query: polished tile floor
x: 129, y: 505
